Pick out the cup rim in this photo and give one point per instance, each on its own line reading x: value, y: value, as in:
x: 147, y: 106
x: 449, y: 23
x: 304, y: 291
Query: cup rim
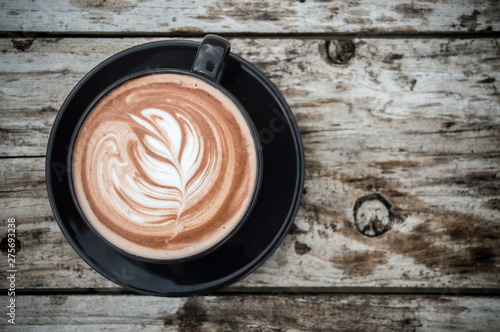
x: 250, y: 125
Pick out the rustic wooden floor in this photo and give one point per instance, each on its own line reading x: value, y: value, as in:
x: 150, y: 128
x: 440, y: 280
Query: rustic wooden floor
x: 398, y: 106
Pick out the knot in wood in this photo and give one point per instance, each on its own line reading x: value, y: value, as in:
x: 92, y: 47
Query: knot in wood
x: 372, y: 215
x: 4, y: 245
x: 22, y: 44
x: 340, y: 51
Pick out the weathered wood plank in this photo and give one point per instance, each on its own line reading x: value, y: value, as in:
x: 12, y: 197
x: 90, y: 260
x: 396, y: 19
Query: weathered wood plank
x: 256, y: 313
x: 413, y: 120
x: 227, y: 16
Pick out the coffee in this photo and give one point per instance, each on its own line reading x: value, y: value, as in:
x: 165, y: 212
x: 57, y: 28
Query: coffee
x: 164, y: 166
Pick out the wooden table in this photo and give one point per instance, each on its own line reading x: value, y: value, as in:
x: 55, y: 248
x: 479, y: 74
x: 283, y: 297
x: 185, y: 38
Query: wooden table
x: 398, y: 106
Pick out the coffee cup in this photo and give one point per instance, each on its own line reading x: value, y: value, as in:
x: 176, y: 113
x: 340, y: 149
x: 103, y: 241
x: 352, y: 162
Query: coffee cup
x: 165, y: 165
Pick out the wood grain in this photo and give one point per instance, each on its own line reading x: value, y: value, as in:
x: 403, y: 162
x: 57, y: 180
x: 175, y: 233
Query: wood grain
x: 256, y: 313
x: 228, y: 16
x: 413, y: 120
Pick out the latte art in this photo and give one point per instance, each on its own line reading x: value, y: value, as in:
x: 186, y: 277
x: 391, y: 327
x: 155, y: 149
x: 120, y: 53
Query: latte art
x: 164, y: 166
x: 168, y: 176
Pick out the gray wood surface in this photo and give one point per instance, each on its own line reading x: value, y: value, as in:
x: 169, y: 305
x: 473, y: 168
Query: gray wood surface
x: 257, y: 313
x: 398, y: 107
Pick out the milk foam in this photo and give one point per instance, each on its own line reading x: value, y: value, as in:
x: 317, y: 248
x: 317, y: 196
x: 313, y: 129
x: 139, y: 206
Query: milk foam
x: 164, y: 166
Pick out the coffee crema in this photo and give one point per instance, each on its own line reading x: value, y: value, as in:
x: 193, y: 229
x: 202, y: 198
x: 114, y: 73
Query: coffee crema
x: 164, y: 166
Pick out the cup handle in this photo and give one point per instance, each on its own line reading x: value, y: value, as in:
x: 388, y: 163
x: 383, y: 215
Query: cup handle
x: 211, y: 57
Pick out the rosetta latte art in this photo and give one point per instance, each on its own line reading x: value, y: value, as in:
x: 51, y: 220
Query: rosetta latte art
x: 164, y: 166
x: 162, y: 173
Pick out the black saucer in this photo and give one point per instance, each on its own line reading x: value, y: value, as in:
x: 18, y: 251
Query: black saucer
x: 266, y: 227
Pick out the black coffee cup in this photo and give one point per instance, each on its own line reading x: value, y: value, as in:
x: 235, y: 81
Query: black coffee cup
x: 274, y: 209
